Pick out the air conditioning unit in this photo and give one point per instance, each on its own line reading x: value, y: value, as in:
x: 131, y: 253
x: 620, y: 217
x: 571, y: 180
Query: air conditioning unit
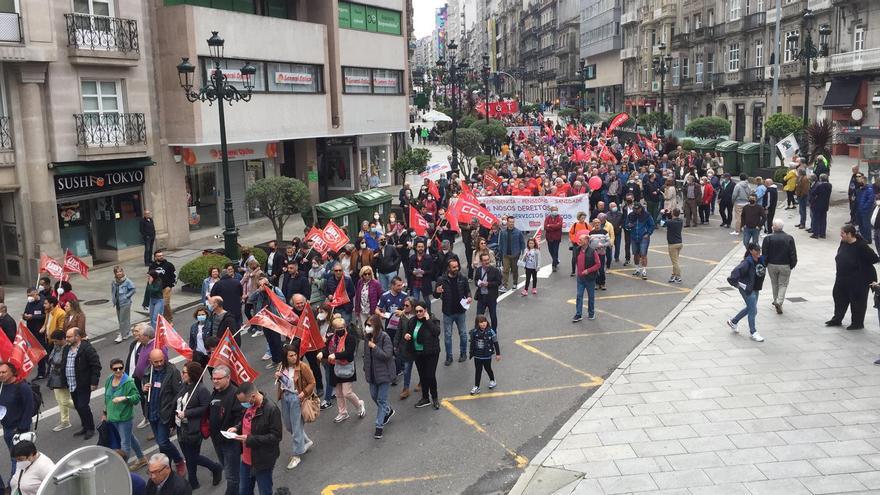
x: 655, y: 86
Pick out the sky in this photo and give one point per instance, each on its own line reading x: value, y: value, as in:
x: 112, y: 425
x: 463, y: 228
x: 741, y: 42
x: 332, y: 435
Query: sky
x: 423, y: 16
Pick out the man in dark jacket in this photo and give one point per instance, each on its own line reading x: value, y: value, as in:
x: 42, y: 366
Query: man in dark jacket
x: 225, y: 413
x: 163, y: 480
x: 452, y: 288
x: 168, y: 274
x: 725, y: 200
x: 488, y: 279
x: 148, y: 235
x: 18, y: 401
x: 616, y: 219
x: 587, y: 265
x: 294, y: 282
x: 781, y: 256
x: 748, y: 277
x: 34, y: 317
x: 143, y: 335
x: 163, y: 382
x: 7, y: 323
x: 260, y: 435
x: 387, y: 262
x: 769, y: 201
x: 220, y: 320
x: 282, y: 260
x: 81, y: 378
x: 820, y: 199
x: 336, y: 277
x: 420, y: 273
x: 753, y: 217
x: 231, y: 292
x: 441, y: 259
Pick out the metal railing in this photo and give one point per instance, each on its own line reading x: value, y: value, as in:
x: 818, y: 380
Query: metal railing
x: 99, y: 130
x: 754, y: 21
x: 5, y: 134
x: 856, y: 61
x: 754, y: 74
x: 793, y: 9
x: 96, y: 32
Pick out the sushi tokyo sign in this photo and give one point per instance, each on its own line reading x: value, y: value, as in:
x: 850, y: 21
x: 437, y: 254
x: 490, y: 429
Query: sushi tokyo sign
x: 98, y: 181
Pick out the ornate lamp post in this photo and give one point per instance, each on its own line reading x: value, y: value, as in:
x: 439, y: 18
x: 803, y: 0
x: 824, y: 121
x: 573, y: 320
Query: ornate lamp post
x: 541, y: 83
x: 220, y: 90
x: 661, y: 67
x: 486, y: 72
x: 808, y: 52
x: 582, y: 90
x: 455, y: 72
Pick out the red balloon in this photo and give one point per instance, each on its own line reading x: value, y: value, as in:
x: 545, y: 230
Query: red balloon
x: 595, y: 183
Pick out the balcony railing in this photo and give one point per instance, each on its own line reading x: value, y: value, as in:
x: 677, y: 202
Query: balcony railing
x: 754, y: 21
x: 630, y: 17
x: 5, y: 135
x: 95, y: 32
x: 718, y: 79
x: 628, y: 53
x: 10, y: 27
x: 754, y: 74
x: 715, y: 32
x: 815, y: 5
x: 793, y: 9
x: 856, y: 61
x: 100, y: 130
x: 681, y: 39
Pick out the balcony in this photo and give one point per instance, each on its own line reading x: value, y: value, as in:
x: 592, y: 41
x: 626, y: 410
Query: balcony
x: 731, y: 78
x: 734, y: 26
x: 95, y: 39
x: 668, y: 10
x: 10, y: 27
x: 817, y: 5
x: 754, y: 75
x: 715, y: 32
x: 628, y: 53
x: 856, y: 61
x: 699, y: 34
x: 791, y: 69
x: 717, y: 79
x: 794, y: 9
x: 5, y: 135
x: 110, y: 132
x: 754, y: 21
x: 628, y: 18
x: 681, y: 40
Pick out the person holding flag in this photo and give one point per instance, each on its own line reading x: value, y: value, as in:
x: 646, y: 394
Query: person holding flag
x: 262, y: 298
x: 340, y: 292
x: 16, y: 400
x: 340, y: 352
x: 162, y: 386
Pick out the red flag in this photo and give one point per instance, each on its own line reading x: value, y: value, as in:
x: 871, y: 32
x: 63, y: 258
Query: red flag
x: 467, y: 193
x: 166, y: 336
x: 464, y: 210
x: 51, y: 266
x: 490, y: 180
x: 9, y: 353
x: 636, y: 152
x: 228, y: 353
x: 308, y: 332
x: 616, y: 122
x: 607, y: 155
x: 334, y: 236
x: 539, y: 235
x: 340, y: 296
x: 318, y: 242
x: 283, y: 308
x: 417, y: 222
x: 433, y: 189
x: 72, y: 264
x: 452, y: 221
x: 31, y: 351
x: 270, y: 321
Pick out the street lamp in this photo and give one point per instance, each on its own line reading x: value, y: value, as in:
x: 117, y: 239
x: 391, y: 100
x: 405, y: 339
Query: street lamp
x: 541, y: 82
x: 809, y: 52
x: 455, y: 72
x: 661, y: 66
x: 486, y: 72
x: 522, y: 86
x: 582, y: 90
x: 220, y: 90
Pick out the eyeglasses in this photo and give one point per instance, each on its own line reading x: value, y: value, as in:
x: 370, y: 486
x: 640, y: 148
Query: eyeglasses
x: 116, y: 368
x: 157, y: 471
x: 337, y: 271
x: 420, y: 310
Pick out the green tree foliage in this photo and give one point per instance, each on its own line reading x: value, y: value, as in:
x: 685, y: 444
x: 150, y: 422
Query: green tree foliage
x: 469, y: 143
x: 193, y: 272
x: 493, y: 130
x: 652, y: 120
x: 413, y: 159
x: 591, y: 117
x: 780, y: 125
x: 708, y: 127
x: 277, y: 198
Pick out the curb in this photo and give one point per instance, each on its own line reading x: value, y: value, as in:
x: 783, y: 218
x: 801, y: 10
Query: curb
x: 528, y: 474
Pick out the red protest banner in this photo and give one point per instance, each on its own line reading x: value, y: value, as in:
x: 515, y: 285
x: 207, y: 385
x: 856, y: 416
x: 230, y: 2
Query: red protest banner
x: 229, y: 354
x: 340, y: 295
x: 32, y: 352
x: 417, y: 222
x: 51, y: 266
x: 72, y: 264
x: 491, y: 180
x: 616, y: 122
x: 334, y: 236
x: 308, y: 332
x: 464, y: 210
x: 283, y: 309
x: 166, y: 336
x: 270, y: 321
x: 318, y: 243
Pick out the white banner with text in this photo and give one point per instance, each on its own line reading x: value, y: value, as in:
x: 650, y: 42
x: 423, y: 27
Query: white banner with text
x: 529, y: 211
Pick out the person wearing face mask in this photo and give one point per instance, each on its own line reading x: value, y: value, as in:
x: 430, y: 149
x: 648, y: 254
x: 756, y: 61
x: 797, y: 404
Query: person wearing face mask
x: 162, y: 384
x: 753, y: 218
x: 17, y: 401
x: 553, y: 234
x: 32, y: 467
x: 219, y: 320
x: 340, y: 353
x: 65, y: 293
x: 324, y: 314
x: 379, y: 370
x: 34, y: 317
x: 197, y: 335
x: 422, y: 337
x: 7, y: 323
x: 120, y: 396
x: 317, y: 277
x: 230, y: 291
x: 259, y: 433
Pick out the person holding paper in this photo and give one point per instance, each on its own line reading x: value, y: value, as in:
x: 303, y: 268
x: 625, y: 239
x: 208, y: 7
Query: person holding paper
x: 455, y: 294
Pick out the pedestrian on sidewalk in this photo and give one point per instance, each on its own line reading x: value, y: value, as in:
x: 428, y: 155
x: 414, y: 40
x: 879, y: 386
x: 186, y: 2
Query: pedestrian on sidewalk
x: 379, y: 370
x: 641, y: 225
x: 587, y: 266
x: 674, y: 243
x: 122, y: 290
x: 771, y: 198
x: 483, y: 344
x: 855, y: 273
x: 748, y: 278
x: 81, y: 371
x: 740, y: 198
x: 864, y: 207
x: 753, y: 218
x: 781, y: 254
x: 553, y: 234
x: 148, y: 235
x: 531, y: 260
x: 167, y: 273
x: 789, y: 185
x: 154, y: 300
x: 820, y: 200
x: 120, y: 396
x: 454, y: 292
x: 423, y: 341
x: 725, y: 200
x: 802, y: 194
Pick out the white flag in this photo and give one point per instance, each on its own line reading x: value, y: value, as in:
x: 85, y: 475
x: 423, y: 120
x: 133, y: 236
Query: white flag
x: 788, y: 147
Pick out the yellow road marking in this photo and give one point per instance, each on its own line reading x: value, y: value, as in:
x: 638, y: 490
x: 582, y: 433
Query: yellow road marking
x: 512, y: 393
x: 521, y: 461
x: 708, y: 262
x: 652, y: 282
x: 580, y: 335
x: 643, y: 325
x: 332, y: 489
x: 557, y: 361
x: 644, y: 294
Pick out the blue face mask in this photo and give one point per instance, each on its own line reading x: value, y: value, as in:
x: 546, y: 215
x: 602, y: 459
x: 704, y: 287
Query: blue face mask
x: 246, y: 405
x: 201, y: 317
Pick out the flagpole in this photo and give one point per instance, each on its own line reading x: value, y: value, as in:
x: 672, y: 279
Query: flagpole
x: 151, y: 384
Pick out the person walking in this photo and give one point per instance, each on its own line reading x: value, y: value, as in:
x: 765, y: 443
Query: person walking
x: 553, y: 234
x: 770, y: 200
x: 154, y: 300
x: 401, y: 351
x: 167, y: 273
x: 725, y: 200
x: 599, y: 241
x: 693, y: 195
x: 820, y: 200
x: 674, y: 244
x: 789, y: 184
x: 615, y: 218
x: 740, y: 198
x: 748, y: 278
x: 340, y: 351
x: 531, y: 260
x: 454, y: 292
x: 17, y: 400
x: 855, y: 273
x: 32, y: 468
x: 81, y: 373
x: 422, y: 338
x: 511, y: 244
x: 192, y: 408
x: 148, y: 235
x: 336, y: 277
x: 753, y: 218
x: 421, y: 272
x: 874, y: 221
x: 225, y: 412
x: 641, y: 226
x: 587, y: 266
x: 483, y: 344
x: 260, y: 435
x: 55, y: 380
x: 34, y: 317
x: 122, y: 290
x: 574, y: 234
x: 708, y: 194
x: 163, y: 383
x: 387, y: 261
x: 75, y: 317
x: 488, y: 280
x: 802, y: 194
x: 295, y: 383
x: 120, y: 397
x: 368, y: 291
x: 780, y: 253
x: 379, y: 370
x: 163, y: 480
x: 864, y: 207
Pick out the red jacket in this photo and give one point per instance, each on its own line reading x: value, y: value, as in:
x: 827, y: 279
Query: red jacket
x: 553, y: 228
x: 708, y: 192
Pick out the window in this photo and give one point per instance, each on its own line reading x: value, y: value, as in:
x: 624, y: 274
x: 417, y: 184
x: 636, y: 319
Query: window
x: 687, y: 25
x: 685, y: 67
x: 710, y: 17
x: 791, y: 47
x: 101, y: 97
x: 748, y: 7
x: 387, y: 81
x: 733, y: 57
x: 698, y: 69
x: 368, y: 18
x: 759, y: 6
x: 823, y: 39
x: 759, y: 53
x: 102, y: 109
x: 372, y: 81
x: 93, y: 7
x: 710, y: 63
x: 676, y: 72
x: 859, y: 39
x: 356, y: 80
x: 295, y: 78
x: 644, y: 74
x: 231, y: 68
x: 734, y: 10
x: 698, y: 21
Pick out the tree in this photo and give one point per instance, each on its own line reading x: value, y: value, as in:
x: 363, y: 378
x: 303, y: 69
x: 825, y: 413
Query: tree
x: 566, y: 112
x: 413, y: 159
x: 469, y: 144
x: 780, y: 125
x: 652, y: 120
x: 820, y: 136
x: 591, y: 117
x: 277, y: 198
x: 708, y: 127
x: 493, y: 130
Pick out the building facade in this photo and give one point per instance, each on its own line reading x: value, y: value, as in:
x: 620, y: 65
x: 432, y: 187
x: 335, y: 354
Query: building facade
x: 600, y: 43
x: 538, y: 25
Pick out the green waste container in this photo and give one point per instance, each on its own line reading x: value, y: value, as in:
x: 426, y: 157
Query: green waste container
x: 343, y: 212
x: 731, y: 158
x: 750, y: 157
x: 707, y: 145
x: 373, y: 201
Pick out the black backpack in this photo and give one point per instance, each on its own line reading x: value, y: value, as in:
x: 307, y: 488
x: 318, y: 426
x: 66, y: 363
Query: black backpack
x: 38, y: 401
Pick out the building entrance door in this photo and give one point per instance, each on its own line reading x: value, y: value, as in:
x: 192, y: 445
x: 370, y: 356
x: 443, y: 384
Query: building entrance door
x: 10, y: 242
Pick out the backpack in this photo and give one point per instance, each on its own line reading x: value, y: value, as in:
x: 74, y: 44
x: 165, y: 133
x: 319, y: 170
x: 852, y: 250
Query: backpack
x: 38, y: 401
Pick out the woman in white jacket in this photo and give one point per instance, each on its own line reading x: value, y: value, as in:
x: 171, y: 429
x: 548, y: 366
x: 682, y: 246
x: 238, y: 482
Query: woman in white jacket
x: 31, y: 468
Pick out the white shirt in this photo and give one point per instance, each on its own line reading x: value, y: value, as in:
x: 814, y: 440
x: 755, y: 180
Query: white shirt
x: 28, y: 481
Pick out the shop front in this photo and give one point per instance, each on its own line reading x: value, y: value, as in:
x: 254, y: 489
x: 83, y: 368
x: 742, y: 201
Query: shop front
x: 374, y: 159
x: 100, y: 207
x: 248, y: 163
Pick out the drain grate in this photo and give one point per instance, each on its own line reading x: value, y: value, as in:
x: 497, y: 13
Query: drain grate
x: 796, y: 299
x: 95, y: 302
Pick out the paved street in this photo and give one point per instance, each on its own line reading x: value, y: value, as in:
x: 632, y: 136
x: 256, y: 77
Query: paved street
x: 479, y: 444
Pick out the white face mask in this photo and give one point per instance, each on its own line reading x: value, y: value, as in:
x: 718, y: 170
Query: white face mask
x: 322, y: 316
x: 368, y: 329
x: 23, y: 464
x: 60, y: 290
x: 30, y: 299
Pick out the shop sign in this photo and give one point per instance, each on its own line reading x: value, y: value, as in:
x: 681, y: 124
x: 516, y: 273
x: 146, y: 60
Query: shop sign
x: 211, y: 154
x: 342, y: 141
x: 389, y: 21
x: 303, y: 78
x: 97, y: 181
x: 385, y: 82
x: 232, y: 75
x: 357, y: 80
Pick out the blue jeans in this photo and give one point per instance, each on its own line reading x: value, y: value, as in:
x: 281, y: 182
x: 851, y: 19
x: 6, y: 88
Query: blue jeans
x: 640, y: 246
x: 385, y: 279
x: 802, y: 209
x: 421, y: 294
x: 407, y: 373
x: 865, y: 229
x: 291, y: 418
x: 128, y: 441
x: 157, y: 306
x: 751, y: 309
x: 379, y: 394
x: 588, y: 284
x: 273, y: 345
x: 328, y: 387
x: 249, y: 477
x: 751, y: 235
x: 459, y: 320
x: 492, y: 305
x: 229, y: 455
x: 163, y: 440
x: 553, y: 247
x: 618, y: 237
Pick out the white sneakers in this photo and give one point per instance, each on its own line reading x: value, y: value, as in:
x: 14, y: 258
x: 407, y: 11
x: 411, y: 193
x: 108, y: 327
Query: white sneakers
x: 492, y: 384
x: 475, y: 390
x: 307, y: 446
x: 755, y: 336
x: 266, y: 357
x: 294, y: 462
x: 732, y: 326
x: 363, y: 410
x: 143, y: 424
x: 61, y: 426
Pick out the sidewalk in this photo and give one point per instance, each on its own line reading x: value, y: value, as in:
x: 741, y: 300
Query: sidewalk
x: 696, y: 409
